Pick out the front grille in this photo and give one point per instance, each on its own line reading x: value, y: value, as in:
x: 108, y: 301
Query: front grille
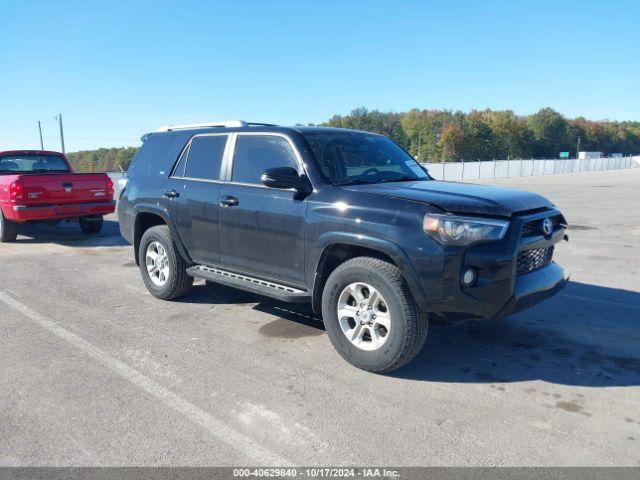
x: 534, y: 227
x: 532, y: 260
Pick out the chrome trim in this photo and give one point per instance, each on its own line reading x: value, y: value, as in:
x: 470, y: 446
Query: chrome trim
x: 226, y: 167
x: 257, y: 185
x: 204, y: 180
x: 225, y: 170
x: 224, y: 124
x: 46, y: 207
x: 183, y: 153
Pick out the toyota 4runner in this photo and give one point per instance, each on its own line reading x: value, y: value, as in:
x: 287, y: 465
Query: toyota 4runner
x: 346, y: 220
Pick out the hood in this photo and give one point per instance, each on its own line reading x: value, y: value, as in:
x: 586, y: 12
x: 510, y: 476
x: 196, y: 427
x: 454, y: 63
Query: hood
x: 464, y: 198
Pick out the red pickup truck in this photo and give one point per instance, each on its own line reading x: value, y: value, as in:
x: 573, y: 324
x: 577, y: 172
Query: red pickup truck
x: 39, y: 186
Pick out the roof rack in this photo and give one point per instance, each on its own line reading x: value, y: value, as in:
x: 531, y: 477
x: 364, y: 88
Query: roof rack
x: 225, y: 124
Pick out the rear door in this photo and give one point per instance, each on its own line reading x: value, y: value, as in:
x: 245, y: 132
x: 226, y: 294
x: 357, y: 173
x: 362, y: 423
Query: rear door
x: 193, y: 191
x: 262, y: 229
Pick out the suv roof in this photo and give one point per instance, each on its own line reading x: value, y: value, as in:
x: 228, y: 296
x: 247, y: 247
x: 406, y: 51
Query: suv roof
x: 241, y: 126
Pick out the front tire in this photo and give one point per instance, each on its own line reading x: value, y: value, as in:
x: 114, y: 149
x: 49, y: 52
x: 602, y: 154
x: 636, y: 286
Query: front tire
x: 8, y: 229
x: 163, y: 269
x: 371, y: 317
x: 91, y: 225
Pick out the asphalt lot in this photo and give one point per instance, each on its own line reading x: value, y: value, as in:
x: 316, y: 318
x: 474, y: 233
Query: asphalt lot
x: 95, y: 371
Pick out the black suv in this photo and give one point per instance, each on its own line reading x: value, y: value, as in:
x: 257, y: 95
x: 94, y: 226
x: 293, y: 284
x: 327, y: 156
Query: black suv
x: 346, y: 220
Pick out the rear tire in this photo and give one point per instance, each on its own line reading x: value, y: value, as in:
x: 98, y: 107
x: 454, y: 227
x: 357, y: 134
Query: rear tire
x: 377, y: 338
x: 91, y: 225
x: 8, y: 229
x: 163, y: 269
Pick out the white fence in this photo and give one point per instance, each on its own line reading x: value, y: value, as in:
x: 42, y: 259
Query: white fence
x: 457, y: 171
x: 115, y: 178
x: 525, y: 168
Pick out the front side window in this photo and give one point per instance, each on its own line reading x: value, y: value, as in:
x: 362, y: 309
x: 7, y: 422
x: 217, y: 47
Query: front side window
x: 205, y: 157
x: 348, y: 158
x: 256, y: 153
x: 32, y: 163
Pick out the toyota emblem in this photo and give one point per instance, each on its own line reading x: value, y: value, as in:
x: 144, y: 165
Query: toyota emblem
x: 547, y: 226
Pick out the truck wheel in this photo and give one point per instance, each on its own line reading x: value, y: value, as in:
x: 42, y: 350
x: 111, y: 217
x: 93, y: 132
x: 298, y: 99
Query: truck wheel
x: 163, y: 269
x: 8, y: 229
x: 370, y: 315
x: 91, y: 225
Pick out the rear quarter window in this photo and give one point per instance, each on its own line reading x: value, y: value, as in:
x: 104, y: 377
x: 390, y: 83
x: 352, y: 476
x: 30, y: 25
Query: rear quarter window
x: 157, y: 154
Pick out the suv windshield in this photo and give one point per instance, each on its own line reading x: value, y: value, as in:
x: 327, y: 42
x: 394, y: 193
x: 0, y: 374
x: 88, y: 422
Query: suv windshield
x: 348, y: 158
x: 32, y: 163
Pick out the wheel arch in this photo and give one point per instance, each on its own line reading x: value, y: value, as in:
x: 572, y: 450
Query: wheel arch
x: 147, y: 217
x: 334, y: 250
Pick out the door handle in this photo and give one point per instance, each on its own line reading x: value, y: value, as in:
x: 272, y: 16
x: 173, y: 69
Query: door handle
x: 229, y: 201
x: 171, y: 194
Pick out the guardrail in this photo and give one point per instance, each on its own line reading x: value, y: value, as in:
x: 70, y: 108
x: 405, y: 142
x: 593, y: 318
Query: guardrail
x: 526, y: 167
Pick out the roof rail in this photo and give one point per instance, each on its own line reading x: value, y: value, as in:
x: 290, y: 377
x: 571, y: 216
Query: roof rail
x: 225, y: 124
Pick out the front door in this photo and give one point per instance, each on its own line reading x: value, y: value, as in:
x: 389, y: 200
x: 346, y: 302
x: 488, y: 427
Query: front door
x: 262, y: 229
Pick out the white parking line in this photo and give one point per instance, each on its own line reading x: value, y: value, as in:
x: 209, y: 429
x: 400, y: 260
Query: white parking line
x: 216, y: 427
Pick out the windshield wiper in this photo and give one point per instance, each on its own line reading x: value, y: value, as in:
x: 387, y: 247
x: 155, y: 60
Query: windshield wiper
x: 402, y: 179
x: 358, y: 181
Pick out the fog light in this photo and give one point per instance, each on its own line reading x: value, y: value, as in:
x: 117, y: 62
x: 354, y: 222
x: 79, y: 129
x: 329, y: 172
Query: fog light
x: 468, y: 277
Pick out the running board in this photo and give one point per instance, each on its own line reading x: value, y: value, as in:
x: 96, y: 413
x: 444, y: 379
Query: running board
x: 250, y: 284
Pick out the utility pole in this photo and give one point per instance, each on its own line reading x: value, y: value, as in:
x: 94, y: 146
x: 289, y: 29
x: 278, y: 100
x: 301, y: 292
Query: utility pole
x: 59, y: 118
x: 578, y: 150
x: 40, y: 130
x: 419, y: 146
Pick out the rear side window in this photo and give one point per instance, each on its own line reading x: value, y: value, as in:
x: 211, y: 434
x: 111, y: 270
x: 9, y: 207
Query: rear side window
x: 205, y: 157
x: 153, y: 150
x: 256, y: 153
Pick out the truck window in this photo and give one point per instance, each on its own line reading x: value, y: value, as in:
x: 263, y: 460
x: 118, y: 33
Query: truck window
x: 205, y: 157
x: 256, y: 153
x: 32, y: 163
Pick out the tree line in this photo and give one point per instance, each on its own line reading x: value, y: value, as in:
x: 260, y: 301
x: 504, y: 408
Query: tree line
x: 102, y: 159
x: 446, y: 135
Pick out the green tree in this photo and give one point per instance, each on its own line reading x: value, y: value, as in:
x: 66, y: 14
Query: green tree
x: 102, y: 160
x: 550, y: 133
x: 383, y: 123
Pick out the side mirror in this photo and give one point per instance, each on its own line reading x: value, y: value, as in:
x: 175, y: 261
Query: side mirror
x: 283, y: 177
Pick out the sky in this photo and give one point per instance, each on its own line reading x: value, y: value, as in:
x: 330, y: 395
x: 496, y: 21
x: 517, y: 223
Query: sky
x: 117, y: 69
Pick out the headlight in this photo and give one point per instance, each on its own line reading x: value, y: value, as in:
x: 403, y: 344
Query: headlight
x: 454, y: 230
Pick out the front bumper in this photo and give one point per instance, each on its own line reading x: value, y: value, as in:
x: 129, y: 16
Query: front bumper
x: 501, y: 289
x: 534, y: 287
x: 23, y: 213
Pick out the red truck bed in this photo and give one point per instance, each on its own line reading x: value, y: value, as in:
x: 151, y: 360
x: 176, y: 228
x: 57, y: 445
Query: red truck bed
x: 33, y: 196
